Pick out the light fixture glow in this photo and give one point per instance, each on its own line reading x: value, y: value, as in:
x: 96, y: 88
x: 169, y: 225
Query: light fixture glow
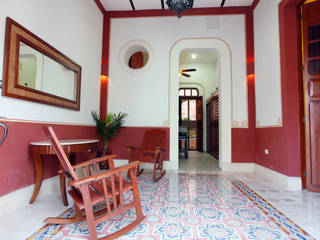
x: 194, y: 56
x: 104, y: 78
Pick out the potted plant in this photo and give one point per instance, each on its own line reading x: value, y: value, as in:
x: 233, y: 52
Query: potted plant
x: 108, y: 127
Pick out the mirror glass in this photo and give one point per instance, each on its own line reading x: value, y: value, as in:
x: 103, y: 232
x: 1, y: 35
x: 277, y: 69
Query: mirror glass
x: 39, y: 72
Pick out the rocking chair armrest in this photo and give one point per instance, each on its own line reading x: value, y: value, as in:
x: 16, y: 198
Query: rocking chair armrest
x: 96, y: 160
x: 100, y: 176
x: 133, y: 148
x: 161, y: 149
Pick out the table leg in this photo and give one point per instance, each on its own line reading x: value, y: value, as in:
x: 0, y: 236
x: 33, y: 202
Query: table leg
x: 37, y: 160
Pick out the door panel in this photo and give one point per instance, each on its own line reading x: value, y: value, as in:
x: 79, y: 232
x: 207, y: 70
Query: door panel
x: 213, y: 126
x: 311, y: 46
x: 314, y: 88
x: 199, y: 125
x: 315, y: 142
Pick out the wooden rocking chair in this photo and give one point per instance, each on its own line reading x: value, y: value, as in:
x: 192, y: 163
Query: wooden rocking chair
x: 151, y: 151
x: 98, y: 187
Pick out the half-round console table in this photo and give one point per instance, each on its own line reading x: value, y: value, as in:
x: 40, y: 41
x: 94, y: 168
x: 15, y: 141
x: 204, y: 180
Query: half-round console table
x: 69, y: 146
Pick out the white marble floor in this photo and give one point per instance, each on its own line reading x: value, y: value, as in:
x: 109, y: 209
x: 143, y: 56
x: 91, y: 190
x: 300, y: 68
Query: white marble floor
x: 302, y: 207
x: 198, y: 162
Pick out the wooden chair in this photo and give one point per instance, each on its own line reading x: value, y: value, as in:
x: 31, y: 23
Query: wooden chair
x: 151, y: 151
x: 97, y: 187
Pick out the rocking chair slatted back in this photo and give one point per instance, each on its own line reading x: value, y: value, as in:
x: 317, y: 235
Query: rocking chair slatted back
x: 153, y: 139
x: 99, y: 187
x: 151, y: 151
x: 67, y: 168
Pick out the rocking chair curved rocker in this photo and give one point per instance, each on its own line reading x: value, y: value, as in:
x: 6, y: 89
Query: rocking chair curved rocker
x: 97, y: 187
x: 151, y: 151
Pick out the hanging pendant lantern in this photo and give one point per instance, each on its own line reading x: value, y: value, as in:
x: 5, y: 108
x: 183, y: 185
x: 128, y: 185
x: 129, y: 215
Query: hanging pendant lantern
x: 179, y: 5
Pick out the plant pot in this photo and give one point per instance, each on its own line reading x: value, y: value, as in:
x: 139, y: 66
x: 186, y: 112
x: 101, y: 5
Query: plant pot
x: 101, y: 153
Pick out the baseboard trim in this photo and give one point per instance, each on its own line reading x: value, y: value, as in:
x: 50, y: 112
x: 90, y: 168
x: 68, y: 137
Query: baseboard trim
x: 21, y: 197
x: 242, y: 167
x: 287, y: 182
x: 283, y: 181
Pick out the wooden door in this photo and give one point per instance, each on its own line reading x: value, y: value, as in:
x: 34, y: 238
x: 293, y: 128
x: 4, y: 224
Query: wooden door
x: 199, y: 124
x: 213, y: 126
x: 190, y: 116
x: 311, y: 50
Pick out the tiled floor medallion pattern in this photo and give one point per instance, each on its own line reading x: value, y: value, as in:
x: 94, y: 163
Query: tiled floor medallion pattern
x: 190, y: 207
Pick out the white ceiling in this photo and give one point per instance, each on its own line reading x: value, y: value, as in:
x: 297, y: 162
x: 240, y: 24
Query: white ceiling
x: 120, y: 5
x: 206, y: 56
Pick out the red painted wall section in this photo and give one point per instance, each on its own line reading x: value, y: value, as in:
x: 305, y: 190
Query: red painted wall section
x: 133, y: 136
x: 242, y: 146
x: 104, y: 66
x: 284, y: 142
x: 16, y: 165
x: 275, y: 140
x: 242, y: 139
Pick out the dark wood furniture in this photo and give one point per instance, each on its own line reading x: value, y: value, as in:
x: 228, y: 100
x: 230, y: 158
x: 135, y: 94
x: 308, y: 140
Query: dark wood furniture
x: 98, y: 187
x: 151, y: 151
x: 213, y: 125
x: 183, y: 141
x: 69, y: 146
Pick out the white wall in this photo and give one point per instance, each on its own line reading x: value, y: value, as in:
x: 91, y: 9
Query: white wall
x: 74, y: 27
x: 267, y: 64
x: 144, y: 96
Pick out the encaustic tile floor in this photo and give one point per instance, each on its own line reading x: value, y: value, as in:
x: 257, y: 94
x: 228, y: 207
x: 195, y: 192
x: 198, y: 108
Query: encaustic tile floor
x: 196, y: 203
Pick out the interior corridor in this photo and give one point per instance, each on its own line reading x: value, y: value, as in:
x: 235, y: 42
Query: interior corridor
x: 198, y: 162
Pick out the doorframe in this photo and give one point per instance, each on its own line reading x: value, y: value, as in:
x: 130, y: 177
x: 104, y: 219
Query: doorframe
x: 224, y: 55
x: 292, y: 82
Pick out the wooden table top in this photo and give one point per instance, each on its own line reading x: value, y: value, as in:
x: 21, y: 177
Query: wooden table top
x: 65, y: 142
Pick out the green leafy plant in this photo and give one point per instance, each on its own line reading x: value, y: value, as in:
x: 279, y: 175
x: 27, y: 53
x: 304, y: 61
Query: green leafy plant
x: 108, y: 127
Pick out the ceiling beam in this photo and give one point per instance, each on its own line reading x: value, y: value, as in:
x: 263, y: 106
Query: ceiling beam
x: 162, y: 4
x: 132, y: 5
x: 100, y: 6
x: 254, y: 4
x: 188, y: 12
x: 222, y: 3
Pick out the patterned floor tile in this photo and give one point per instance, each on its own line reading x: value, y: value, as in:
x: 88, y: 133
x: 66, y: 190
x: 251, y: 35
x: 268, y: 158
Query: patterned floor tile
x: 191, y: 207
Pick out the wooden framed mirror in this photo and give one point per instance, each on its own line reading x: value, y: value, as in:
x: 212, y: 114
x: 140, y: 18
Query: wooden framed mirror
x: 35, y: 71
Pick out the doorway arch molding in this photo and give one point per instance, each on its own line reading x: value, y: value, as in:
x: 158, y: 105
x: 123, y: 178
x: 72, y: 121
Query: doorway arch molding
x: 225, y: 88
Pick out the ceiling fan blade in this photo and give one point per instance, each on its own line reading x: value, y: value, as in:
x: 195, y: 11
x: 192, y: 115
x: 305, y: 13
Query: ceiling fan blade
x: 188, y: 70
x: 185, y: 75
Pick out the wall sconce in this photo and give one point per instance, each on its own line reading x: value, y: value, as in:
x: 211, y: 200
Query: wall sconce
x: 179, y: 5
x: 104, y: 78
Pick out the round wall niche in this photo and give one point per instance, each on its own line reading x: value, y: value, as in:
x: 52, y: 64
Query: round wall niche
x: 138, y: 60
x: 136, y: 56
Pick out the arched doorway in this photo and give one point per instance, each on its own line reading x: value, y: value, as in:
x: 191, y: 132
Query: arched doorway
x: 224, y: 53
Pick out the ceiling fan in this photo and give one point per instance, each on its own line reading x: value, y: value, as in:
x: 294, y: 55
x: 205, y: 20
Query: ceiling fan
x: 183, y: 72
